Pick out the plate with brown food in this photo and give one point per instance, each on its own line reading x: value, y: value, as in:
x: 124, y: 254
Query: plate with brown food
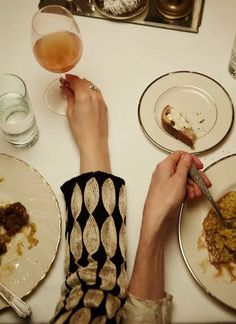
x: 185, y: 111
x: 121, y: 9
x: 30, y: 226
x: 208, y: 248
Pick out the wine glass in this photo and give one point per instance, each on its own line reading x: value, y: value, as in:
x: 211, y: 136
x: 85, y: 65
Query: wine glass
x: 57, y: 47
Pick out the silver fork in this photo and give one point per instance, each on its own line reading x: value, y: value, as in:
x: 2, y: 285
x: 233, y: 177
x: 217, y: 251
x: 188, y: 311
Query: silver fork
x: 197, y: 178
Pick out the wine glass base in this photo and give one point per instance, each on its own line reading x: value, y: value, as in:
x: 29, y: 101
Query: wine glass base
x: 55, y: 100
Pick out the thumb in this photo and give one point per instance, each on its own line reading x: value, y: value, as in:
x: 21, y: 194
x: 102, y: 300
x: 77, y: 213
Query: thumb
x: 184, y: 166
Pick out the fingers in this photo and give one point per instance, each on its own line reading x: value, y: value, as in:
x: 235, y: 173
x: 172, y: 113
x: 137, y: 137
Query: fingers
x: 184, y: 166
x: 179, y: 164
x: 185, y: 162
x: 197, y: 162
x: 79, y: 92
x: 74, y: 81
x: 193, y: 191
x: 168, y: 165
x: 68, y: 92
x: 176, y: 156
x: 83, y: 89
x: 205, y: 178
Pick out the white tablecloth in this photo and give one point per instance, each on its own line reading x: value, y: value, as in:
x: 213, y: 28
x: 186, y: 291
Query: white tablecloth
x: 121, y: 59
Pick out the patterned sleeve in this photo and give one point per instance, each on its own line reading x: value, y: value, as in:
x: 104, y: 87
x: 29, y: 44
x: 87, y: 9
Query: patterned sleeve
x: 95, y: 285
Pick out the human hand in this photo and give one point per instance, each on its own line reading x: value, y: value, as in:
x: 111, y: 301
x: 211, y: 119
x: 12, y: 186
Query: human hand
x: 88, y: 121
x: 169, y: 186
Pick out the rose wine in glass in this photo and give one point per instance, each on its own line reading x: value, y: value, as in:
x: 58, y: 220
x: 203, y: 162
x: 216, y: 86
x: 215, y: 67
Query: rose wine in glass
x: 57, y: 47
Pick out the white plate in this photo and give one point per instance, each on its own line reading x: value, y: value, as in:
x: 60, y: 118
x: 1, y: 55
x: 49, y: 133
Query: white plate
x: 190, y: 228
x: 22, y: 273
x: 203, y: 101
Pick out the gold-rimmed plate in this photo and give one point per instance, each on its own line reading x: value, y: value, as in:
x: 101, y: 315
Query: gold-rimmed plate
x: 114, y: 14
x: 218, y: 284
x: 204, y: 102
x: 28, y: 258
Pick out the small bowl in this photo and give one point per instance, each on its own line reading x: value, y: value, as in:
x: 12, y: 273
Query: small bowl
x: 174, y: 9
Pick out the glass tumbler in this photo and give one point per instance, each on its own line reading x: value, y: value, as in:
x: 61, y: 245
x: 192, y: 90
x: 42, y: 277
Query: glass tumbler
x: 17, y: 120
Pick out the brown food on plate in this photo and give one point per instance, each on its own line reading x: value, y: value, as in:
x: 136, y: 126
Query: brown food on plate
x: 220, y: 241
x: 178, y: 126
x: 12, y: 218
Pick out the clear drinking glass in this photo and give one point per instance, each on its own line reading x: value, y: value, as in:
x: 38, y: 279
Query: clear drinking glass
x: 57, y: 47
x: 232, y: 61
x: 17, y: 120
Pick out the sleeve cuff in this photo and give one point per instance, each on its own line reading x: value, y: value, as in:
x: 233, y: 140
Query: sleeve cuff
x: 68, y: 187
x: 137, y: 310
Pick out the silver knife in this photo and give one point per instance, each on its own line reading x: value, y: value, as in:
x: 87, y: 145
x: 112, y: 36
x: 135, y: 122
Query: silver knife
x: 20, y: 307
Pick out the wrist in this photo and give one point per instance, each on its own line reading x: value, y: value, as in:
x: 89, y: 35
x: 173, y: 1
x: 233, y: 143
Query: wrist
x: 94, y: 158
x: 154, y: 228
x: 152, y: 242
x: 147, y: 280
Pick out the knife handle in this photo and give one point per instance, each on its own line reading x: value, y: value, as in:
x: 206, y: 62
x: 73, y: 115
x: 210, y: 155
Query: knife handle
x: 20, y: 307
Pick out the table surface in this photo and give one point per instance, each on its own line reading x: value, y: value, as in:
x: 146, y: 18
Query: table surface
x: 122, y: 60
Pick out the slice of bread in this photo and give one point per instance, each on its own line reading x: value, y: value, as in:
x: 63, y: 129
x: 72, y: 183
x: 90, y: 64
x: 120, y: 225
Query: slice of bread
x: 176, y: 124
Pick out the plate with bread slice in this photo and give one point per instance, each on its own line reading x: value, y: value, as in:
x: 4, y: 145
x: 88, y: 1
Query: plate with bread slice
x: 187, y: 111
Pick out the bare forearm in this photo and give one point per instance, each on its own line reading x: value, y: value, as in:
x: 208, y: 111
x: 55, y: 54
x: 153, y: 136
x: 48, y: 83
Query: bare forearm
x: 147, y: 279
x: 95, y: 159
